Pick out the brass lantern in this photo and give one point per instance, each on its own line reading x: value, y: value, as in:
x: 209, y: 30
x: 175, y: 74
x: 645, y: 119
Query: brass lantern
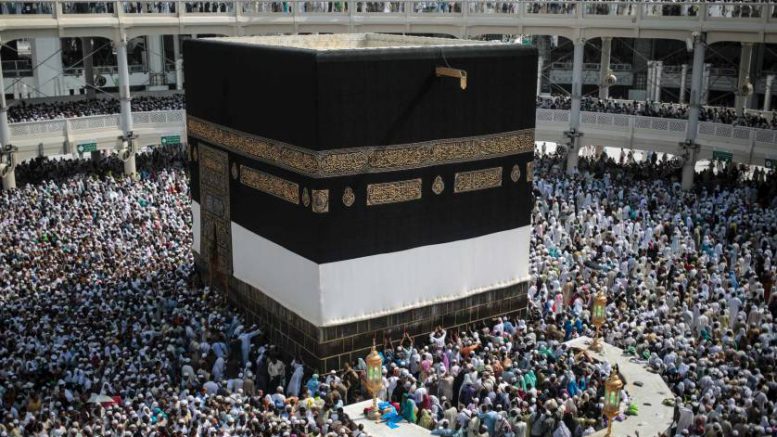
x: 612, y: 398
x: 598, y: 317
x: 373, y: 380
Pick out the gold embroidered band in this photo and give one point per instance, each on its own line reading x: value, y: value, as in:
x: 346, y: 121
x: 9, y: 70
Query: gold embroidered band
x: 393, y: 192
x: 350, y: 161
x: 270, y: 184
x: 477, y: 180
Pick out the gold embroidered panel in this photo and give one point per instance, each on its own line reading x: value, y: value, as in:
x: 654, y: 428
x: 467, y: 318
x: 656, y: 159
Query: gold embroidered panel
x: 270, y: 184
x: 342, y: 162
x: 477, y: 180
x: 394, y: 192
x: 215, y: 230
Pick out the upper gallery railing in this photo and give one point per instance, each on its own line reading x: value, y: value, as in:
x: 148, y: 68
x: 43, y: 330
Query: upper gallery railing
x: 697, y: 11
x: 149, y: 119
x: 659, y: 128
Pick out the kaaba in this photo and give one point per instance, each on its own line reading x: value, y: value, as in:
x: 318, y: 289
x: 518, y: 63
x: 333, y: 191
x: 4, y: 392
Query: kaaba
x: 354, y: 187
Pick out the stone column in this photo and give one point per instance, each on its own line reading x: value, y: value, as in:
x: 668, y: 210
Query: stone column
x: 543, y: 48
x: 604, y: 68
x: 178, y: 62
x: 539, y: 74
x: 658, y: 70
x: 47, y: 64
x: 650, y: 79
x: 642, y: 51
x: 8, y: 161
x: 155, y: 59
x: 768, y: 92
x: 683, y: 75
x: 127, y: 150
x: 705, y: 84
x: 690, y: 147
x: 574, y: 113
x: 86, y: 51
x: 744, y: 86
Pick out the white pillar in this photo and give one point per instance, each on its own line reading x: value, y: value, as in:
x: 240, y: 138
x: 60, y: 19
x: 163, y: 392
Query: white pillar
x: 604, y: 68
x: 689, y: 170
x: 693, y: 112
x: 5, y: 129
x: 658, y: 70
x: 8, y: 177
x: 649, y: 87
x: 539, y: 74
x: 7, y: 170
x: 155, y: 59
x: 130, y: 168
x: 178, y: 62
x: 683, y: 74
x: 127, y: 151
x: 705, y: 84
x: 86, y: 49
x: 768, y: 92
x: 741, y: 94
x: 574, y: 113
x: 47, y: 64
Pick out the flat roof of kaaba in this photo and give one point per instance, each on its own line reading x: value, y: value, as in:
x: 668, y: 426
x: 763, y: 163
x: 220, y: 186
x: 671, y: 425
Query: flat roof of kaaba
x: 350, y: 41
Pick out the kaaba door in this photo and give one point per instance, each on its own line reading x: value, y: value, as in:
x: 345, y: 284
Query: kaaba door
x: 215, y: 229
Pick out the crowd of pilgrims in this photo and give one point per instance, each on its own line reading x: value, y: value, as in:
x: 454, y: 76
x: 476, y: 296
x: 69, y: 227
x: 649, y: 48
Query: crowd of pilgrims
x: 661, y: 110
x: 24, y: 111
x: 106, y: 328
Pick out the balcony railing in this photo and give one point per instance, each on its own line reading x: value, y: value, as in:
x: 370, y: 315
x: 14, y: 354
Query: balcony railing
x: 25, y: 130
x: 667, y: 130
x: 104, y: 69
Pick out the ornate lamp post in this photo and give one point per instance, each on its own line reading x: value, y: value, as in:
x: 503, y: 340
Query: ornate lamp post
x: 612, y: 398
x: 598, y: 317
x: 373, y: 381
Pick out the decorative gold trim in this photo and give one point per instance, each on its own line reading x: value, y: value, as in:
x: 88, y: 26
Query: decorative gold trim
x: 348, y: 196
x: 320, y: 201
x: 394, y: 192
x: 477, y: 180
x: 515, y: 174
x: 438, y: 185
x: 305, y: 197
x: 530, y: 171
x: 350, y: 161
x: 270, y: 184
x: 194, y: 153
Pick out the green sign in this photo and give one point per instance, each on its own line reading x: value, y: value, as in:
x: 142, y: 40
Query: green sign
x: 86, y: 147
x: 171, y: 140
x: 771, y: 164
x: 722, y: 156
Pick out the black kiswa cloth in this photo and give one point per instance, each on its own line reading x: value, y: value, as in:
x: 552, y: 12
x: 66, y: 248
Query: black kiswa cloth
x: 354, y: 98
